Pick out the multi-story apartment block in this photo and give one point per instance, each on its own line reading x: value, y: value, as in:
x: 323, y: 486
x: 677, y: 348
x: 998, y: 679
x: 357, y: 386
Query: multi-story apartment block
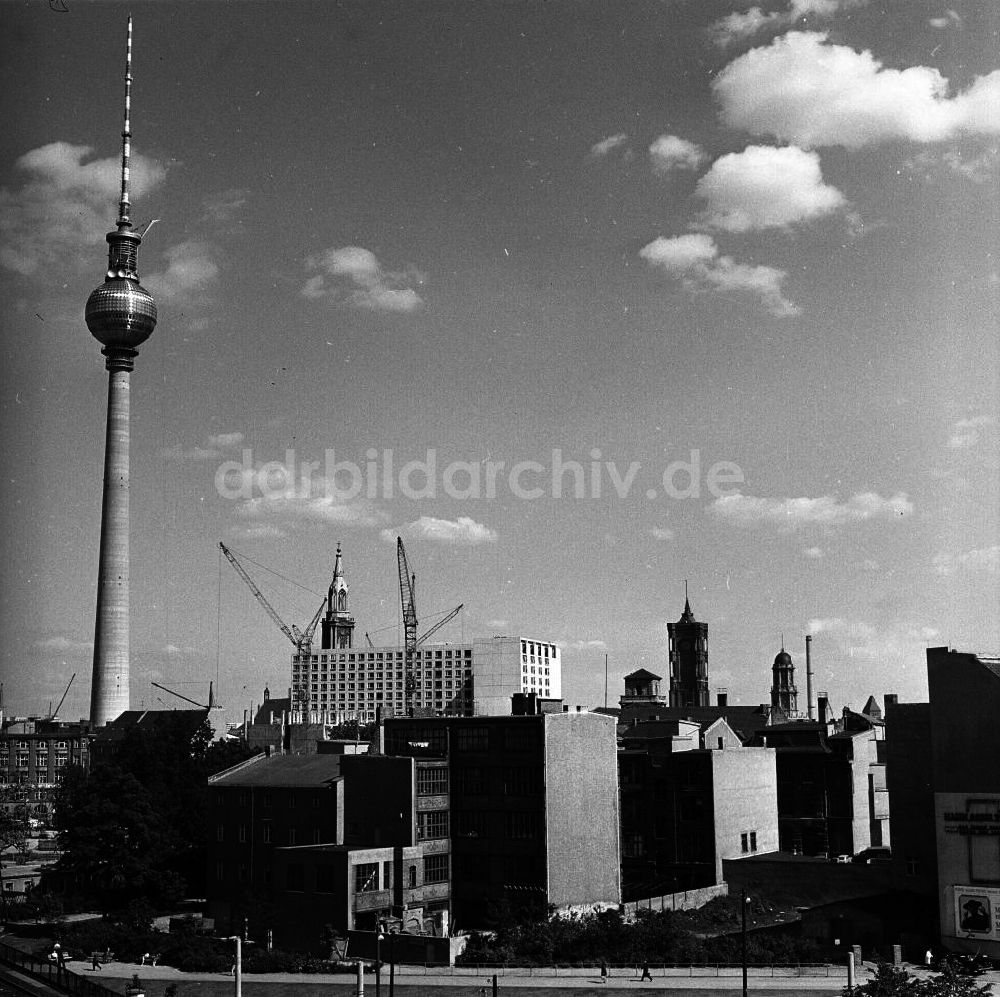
x: 34, y: 754
x: 533, y: 811
x: 473, y: 679
x: 339, y: 682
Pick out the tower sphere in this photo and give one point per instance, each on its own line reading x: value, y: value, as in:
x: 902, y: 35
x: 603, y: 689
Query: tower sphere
x: 121, y: 313
x: 782, y: 658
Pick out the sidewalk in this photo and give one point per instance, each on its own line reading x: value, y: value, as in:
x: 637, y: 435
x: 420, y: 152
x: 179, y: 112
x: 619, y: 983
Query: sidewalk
x: 539, y: 978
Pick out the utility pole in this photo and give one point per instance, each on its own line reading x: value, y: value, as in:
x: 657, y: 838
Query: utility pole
x: 744, y: 900
x: 238, y: 967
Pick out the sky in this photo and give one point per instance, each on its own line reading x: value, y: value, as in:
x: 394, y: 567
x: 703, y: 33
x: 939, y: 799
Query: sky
x: 586, y: 300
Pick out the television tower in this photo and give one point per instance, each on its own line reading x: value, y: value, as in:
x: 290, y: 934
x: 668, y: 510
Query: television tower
x: 121, y: 315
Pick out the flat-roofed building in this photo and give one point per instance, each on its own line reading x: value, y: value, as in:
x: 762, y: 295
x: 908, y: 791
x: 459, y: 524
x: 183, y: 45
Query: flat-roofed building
x: 533, y: 807
x: 470, y: 679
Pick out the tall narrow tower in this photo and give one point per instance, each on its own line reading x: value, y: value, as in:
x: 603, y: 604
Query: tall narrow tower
x: 784, y: 695
x: 688, y: 659
x: 338, y: 624
x: 121, y: 315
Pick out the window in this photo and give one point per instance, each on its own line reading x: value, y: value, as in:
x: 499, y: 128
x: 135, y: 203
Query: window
x: 633, y: 845
x: 753, y: 841
x: 220, y: 871
x: 435, y: 868
x: 470, y: 780
x: 522, y: 780
x: 243, y: 832
x: 472, y: 739
x: 292, y: 835
x: 522, y: 824
x: 220, y: 832
x: 432, y: 781
x: 912, y: 865
x: 432, y: 824
x: 412, y: 877
x: 265, y: 832
x: 744, y: 843
x: 366, y: 877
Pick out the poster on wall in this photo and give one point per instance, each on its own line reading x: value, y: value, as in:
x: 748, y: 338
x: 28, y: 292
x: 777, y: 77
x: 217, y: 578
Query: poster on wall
x: 977, y: 912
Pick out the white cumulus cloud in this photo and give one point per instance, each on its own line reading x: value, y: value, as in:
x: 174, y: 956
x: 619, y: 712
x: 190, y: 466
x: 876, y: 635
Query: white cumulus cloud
x: 669, y: 153
x: 606, y: 145
x: 661, y: 533
x: 190, y: 271
x: 354, y: 275
x: 71, y: 201
x: 743, y: 25
x: 214, y: 448
x: 765, y: 187
x: 794, y: 513
x: 966, y: 433
x: 804, y: 90
x: 985, y: 559
x: 461, y: 532
x: 695, y: 259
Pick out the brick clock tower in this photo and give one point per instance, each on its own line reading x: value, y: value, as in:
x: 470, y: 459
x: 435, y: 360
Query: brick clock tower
x: 688, y: 660
x: 338, y: 624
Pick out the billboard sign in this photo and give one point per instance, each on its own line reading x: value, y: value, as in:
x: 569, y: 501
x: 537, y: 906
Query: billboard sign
x: 977, y: 912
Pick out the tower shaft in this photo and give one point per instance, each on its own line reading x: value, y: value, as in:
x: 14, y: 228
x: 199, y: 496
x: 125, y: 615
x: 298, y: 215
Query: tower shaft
x: 109, y: 692
x: 121, y: 315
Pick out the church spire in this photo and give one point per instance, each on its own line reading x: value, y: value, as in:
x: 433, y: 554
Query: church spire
x: 338, y: 624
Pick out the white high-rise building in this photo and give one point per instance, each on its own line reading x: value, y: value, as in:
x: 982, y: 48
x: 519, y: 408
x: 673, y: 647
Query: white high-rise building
x: 463, y: 680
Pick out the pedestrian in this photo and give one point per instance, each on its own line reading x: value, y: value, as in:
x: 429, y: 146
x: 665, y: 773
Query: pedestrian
x: 928, y: 958
x: 646, y: 974
x: 604, y: 972
x: 60, y: 958
x: 95, y: 960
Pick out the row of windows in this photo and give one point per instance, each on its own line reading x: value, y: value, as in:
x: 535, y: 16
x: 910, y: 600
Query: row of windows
x: 40, y: 745
x: 293, y: 835
x: 289, y: 800
x: 372, y: 658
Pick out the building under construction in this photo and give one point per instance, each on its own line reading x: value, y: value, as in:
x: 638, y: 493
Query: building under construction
x: 339, y: 681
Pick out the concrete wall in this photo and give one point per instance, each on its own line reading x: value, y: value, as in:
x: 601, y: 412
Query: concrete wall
x: 496, y: 675
x: 965, y: 738
x: 379, y: 799
x: 911, y: 797
x: 581, y: 809
x: 688, y: 900
x: 745, y: 792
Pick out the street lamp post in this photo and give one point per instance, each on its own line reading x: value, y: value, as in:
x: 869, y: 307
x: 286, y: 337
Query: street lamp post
x: 744, y: 900
x: 378, y: 959
x: 392, y: 962
x: 238, y: 966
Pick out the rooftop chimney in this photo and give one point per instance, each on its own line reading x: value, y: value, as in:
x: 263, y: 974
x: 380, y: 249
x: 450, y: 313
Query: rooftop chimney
x: 822, y: 707
x: 891, y: 699
x: 809, y: 677
x: 722, y: 696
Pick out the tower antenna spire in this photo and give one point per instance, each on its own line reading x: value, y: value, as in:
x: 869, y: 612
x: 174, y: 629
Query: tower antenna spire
x: 124, y: 221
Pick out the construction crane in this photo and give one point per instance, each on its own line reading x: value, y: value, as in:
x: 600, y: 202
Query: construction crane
x: 407, y: 587
x: 369, y: 639
x: 203, y: 706
x: 407, y: 597
x: 302, y: 640
x: 54, y: 713
x: 440, y: 623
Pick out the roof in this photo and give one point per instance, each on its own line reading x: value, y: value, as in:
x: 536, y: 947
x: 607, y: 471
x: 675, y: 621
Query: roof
x: 151, y: 721
x: 744, y: 720
x: 301, y: 771
x: 641, y: 673
x: 272, y: 709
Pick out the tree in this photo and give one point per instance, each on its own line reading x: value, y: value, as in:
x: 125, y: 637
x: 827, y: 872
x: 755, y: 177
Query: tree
x: 133, y: 826
x: 954, y: 980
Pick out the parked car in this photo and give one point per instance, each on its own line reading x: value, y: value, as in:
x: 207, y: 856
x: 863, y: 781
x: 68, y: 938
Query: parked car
x: 873, y: 855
